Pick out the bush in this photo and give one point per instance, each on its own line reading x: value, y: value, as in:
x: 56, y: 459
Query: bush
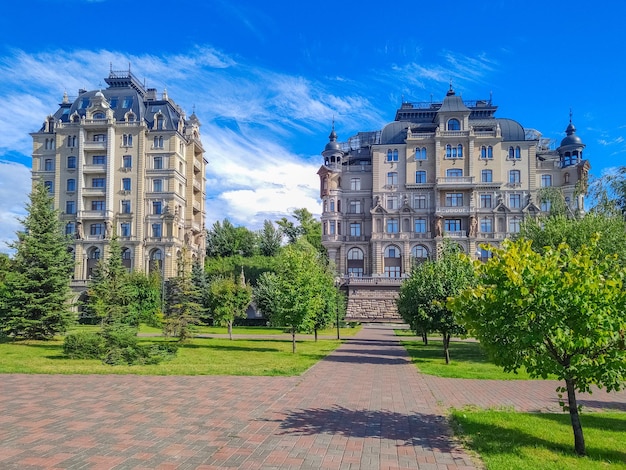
x: 140, y: 354
x: 84, y: 345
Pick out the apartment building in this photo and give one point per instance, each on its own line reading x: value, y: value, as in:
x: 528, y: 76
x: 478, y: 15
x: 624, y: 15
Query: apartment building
x: 440, y: 170
x: 122, y: 161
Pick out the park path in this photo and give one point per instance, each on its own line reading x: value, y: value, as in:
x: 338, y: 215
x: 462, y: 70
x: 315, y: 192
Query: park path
x: 363, y: 407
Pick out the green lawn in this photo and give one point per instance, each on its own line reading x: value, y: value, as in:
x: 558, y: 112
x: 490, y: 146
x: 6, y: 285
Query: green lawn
x: 201, y: 356
x: 467, y: 360
x: 511, y: 441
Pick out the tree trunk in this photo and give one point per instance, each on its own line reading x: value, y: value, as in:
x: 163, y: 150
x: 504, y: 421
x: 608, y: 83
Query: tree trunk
x: 315, y: 333
x: 446, y: 344
x: 230, y: 330
x: 293, y: 339
x: 425, y: 338
x: 579, y: 439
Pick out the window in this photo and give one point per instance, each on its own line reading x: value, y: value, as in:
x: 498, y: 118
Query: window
x: 160, y: 122
x: 126, y: 184
x: 486, y: 176
x: 486, y: 225
x: 113, y: 102
x: 71, y: 141
x: 158, y: 142
x: 128, y: 102
x: 514, y: 176
x: 355, y: 229
x: 546, y: 181
x: 392, y: 202
x: 355, y: 207
x: 355, y: 184
x: 157, y: 207
x: 483, y: 152
x: 70, y: 207
x: 485, y: 201
x: 420, y: 176
x: 419, y: 253
x: 127, y: 140
x: 420, y: 202
x: 99, y: 115
x: 332, y: 227
x: 420, y: 225
x: 454, y: 199
x: 71, y: 184
x: 127, y: 161
x: 392, y: 178
x: 454, y: 152
x: 96, y: 229
x: 355, y: 262
x: 126, y: 206
x: 454, y: 125
x: 126, y: 254
x: 514, y: 225
x: 355, y: 253
x: 515, y: 201
x: 47, y: 165
x: 454, y: 172
x: 125, y: 229
x: 546, y: 205
x: 99, y: 137
x: 70, y: 228
x: 71, y: 161
x: 158, y: 163
x: 156, y: 230
x: 98, y: 182
x: 84, y: 103
x: 452, y: 225
x: 490, y: 152
x: 94, y: 253
x: 97, y: 205
x: 459, y: 151
x: 332, y: 205
x: 49, y: 186
x: 392, y: 156
x: 420, y: 154
x: 99, y: 159
x: 392, y: 225
x: 518, y: 153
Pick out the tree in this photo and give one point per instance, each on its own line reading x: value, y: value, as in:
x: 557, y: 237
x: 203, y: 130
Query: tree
x: 423, y: 296
x: 269, y: 239
x: 560, y: 312
x: 37, y: 303
x: 227, y: 240
x: 308, y: 227
x: 229, y: 299
x: 146, y: 297
x: 608, y: 192
x: 266, y: 294
x: 182, y: 307
x: 299, y: 285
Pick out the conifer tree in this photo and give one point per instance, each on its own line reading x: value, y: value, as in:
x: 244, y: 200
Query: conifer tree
x: 37, y: 304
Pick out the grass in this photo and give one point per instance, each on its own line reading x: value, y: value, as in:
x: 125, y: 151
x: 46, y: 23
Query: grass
x: 467, y: 360
x: 512, y: 441
x: 200, y: 356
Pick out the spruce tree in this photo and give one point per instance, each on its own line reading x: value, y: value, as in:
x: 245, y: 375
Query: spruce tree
x: 37, y: 304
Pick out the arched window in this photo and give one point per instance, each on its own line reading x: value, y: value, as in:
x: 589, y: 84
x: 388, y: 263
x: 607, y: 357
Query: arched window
x: 511, y: 152
x: 448, y: 151
x: 392, y: 251
x: 459, y: 151
x: 490, y: 152
x: 419, y: 254
x: 355, y: 262
x: 99, y: 115
x: 395, y: 155
x: 518, y: 153
x: 155, y: 144
x: 393, y: 261
x: 454, y: 125
x: 160, y: 122
x: 94, y: 253
x: 355, y: 254
x: 156, y: 260
x: 126, y: 253
x: 483, y: 152
x: 423, y: 153
x: 389, y: 155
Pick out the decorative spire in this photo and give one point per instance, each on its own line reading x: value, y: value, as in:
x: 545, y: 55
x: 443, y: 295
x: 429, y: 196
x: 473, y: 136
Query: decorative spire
x: 451, y: 90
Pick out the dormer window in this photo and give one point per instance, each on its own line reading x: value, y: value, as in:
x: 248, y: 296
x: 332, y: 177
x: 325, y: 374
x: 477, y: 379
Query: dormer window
x: 99, y: 115
x: 454, y: 125
x: 160, y: 122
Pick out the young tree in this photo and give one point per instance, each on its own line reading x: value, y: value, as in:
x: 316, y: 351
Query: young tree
x: 146, y: 297
x: 608, y: 192
x: 228, y: 299
x: 422, y: 300
x: 266, y: 294
x: 182, y: 307
x: 308, y: 227
x: 560, y: 312
x: 37, y: 302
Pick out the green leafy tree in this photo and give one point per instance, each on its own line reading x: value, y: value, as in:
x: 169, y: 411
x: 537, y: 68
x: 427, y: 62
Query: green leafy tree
x: 37, y: 301
x: 266, y: 294
x: 307, y: 227
x: 608, y: 192
x: 228, y: 300
x: 560, y: 312
x: 224, y: 239
x: 423, y: 296
x: 300, y: 288
x: 269, y: 239
x: 146, y: 297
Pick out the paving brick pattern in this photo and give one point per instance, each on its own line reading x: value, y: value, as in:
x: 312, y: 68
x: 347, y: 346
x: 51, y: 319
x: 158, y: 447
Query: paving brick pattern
x: 364, y: 407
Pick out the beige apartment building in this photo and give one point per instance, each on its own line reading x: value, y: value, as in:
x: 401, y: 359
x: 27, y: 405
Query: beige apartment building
x: 440, y: 170
x: 123, y: 161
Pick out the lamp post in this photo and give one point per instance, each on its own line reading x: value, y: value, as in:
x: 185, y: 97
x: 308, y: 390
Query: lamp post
x: 337, y: 286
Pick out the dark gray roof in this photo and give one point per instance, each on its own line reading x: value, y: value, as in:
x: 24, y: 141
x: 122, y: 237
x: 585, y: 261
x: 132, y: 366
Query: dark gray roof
x: 394, y: 133
x: 511, y: 130
x: 453, y: 103
x: 571, y: 138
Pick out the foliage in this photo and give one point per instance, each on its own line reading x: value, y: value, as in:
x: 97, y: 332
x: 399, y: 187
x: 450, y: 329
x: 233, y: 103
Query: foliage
x: 37, y: 301
x: 266, y: 294
x: 269, y: 239
x: 560, y: 312
x: 577, y: 233
x: 555, y: 198
x: 145, y: 293
x: 307, y: 227
x: 608, y: 192
x: 224, y: 239
x: 84, y: 345
x: 228, y: 299
x: 254, y: 266
x: 423, y: 296
x: 300, y: 282
x: 182, y: 307
x: 527, y: 441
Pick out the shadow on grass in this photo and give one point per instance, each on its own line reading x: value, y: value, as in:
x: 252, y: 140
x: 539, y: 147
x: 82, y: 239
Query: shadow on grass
x: 459, y: 351
x: 494, y: 440
x: 588, y: 420
x: 429, y: 431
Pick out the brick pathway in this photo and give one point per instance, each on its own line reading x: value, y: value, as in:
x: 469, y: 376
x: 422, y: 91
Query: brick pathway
x: 364, y: 407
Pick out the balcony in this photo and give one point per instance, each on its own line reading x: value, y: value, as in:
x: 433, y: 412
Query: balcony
x: 455, y: 234
x: 454, y: 133
x: 453, y: 210
x: 91, y: 169
x: 89, y: 145
x: 491, y: 235
x: 94, y: 191
x: 455, y: 182
x: 92, y: 214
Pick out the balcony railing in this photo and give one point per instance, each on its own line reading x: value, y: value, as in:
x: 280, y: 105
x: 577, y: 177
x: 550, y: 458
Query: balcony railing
x: 455, y: 180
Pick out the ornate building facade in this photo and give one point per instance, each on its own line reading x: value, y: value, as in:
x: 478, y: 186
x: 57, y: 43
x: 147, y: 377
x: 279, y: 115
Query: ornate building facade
x: 440, y: 170
x: 125, y: 162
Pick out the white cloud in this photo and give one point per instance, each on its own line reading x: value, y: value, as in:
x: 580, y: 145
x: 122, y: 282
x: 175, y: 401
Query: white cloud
x: 15, y: 184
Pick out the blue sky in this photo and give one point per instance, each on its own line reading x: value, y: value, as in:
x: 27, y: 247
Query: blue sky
x: 266, y: 79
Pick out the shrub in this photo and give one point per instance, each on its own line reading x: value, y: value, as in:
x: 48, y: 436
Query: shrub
x: 84, y: 345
